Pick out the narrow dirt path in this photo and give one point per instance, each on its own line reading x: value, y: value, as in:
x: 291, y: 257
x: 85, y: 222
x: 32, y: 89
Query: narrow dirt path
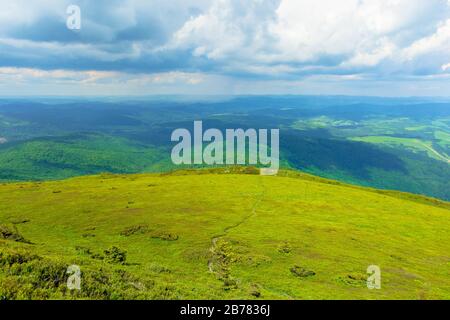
x: 225, y: 231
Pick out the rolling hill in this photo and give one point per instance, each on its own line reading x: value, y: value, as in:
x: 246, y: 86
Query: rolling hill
x: 399, y: 144
x: 220, y: 234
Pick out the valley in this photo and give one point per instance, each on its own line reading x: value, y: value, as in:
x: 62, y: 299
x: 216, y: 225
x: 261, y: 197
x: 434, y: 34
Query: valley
x: 398, y: 144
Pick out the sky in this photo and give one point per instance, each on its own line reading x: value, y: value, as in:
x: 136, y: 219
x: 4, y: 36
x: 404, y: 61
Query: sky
x: 145, y: 47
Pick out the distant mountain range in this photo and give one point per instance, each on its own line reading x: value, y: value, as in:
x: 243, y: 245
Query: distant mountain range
x: 388, y: 143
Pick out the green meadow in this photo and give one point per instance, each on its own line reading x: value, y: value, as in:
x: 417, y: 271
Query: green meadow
x: 220, y: 234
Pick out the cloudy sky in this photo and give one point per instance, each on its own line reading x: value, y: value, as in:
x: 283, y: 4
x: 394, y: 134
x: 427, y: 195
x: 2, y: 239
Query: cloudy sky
x: 144, y: 47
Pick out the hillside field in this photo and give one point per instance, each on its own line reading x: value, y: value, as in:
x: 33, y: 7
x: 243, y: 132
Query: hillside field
x: 220, y: 234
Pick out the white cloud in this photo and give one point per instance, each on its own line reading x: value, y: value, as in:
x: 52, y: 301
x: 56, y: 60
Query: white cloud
x: 30, y: 75
x: 227, y: 27
x: 445, y: 67
x: 25, y: 12
x: 327, y: 33
x: 383, y: 50
x: 83, y: 50
x: 437, y: 42
x: 191, y: 42
x: 27, y: 75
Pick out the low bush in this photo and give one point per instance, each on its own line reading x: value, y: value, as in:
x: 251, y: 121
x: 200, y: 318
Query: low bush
x: 166, y: 236
x: 11, y: 233
x: 302, y: 272
x: 115, y: 255
x: 137, y: 229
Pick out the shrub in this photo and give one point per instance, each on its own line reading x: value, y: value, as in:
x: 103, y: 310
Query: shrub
x: 27, y: 276
x: 16, y: 257
x: 11, y: 233
x: 255, y: 290
x: 167, y: 236
x: 284, y: 248
x: 138, y: 229
x: 302, y: 272
x: 115, y: 255
x: 8, y: 289
x: 353, y: 279
x: 49, y: 274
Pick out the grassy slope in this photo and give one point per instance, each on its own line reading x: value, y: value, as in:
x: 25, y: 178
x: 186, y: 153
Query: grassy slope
x: 262, y: 226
